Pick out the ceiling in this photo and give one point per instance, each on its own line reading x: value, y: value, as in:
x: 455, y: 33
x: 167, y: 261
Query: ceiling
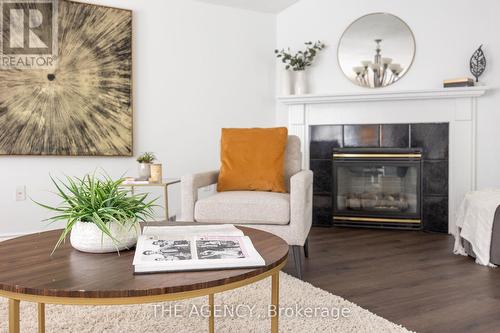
x: 266, y: 6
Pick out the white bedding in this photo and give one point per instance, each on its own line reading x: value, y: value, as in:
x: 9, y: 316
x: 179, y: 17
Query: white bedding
x: 475, y: 223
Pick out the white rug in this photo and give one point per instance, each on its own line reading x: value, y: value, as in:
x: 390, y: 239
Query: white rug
x: 299, y: 300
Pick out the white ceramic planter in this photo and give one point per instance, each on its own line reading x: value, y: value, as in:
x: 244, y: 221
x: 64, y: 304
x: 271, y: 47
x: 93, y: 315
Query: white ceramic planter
x: 300, y: 86
x: 144, y: 171
x: 87, y: 237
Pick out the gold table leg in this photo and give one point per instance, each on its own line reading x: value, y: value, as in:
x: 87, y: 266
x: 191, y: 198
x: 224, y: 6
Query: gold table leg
x: 211, y: 319
x: 41, y: 318
x: 14, y: 316
x: 165, y: 197
x: 275, y: 296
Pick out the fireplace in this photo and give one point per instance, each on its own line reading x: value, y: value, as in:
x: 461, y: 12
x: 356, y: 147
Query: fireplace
x: 377, y: 187
x: 443, y: 122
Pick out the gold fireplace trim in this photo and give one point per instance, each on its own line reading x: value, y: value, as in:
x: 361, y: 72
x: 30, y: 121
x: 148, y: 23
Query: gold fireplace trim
x: 395, y: 155
x: 375, y: 219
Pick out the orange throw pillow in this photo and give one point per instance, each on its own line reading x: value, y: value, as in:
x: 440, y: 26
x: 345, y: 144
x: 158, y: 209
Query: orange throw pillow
x: 253, y: 159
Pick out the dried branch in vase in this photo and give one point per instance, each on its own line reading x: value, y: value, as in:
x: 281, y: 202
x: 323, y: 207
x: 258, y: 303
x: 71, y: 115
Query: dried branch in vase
x: 302, y: 59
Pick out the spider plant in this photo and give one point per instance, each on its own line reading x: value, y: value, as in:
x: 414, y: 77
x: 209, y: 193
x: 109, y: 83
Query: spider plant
x: 101, y: 201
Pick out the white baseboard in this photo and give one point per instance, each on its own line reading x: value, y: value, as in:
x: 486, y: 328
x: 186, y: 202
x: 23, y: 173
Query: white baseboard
x: 4, y: 237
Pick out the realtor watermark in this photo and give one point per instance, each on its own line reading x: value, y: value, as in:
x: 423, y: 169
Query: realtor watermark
x: 29, y: 35
x: 175, y: 310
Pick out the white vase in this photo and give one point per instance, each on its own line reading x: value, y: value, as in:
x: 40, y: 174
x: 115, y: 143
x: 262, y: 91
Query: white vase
x: 286, y: 83
x: 144, y: 171
x: 87, y: 237
x: 300, y: 86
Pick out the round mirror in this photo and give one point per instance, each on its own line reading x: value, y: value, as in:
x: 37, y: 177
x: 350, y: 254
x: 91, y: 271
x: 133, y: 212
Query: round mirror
x: 376, y: 50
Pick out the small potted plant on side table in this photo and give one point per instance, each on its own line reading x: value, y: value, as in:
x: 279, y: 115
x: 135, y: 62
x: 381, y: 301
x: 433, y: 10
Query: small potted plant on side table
x: 100, y: 215
x: 145, y: 160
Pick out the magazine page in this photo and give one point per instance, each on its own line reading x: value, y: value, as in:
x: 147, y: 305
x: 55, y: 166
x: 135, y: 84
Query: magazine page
x: 152, y: 250
x: 228, y: 251
x: 181, y: 253
x: 252, y: 252
x: 220, y: 247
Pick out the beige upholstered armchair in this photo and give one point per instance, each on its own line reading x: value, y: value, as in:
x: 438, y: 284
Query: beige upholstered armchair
x: 287, y: 215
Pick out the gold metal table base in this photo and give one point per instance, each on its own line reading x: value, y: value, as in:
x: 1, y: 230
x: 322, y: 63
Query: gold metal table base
x: 41, y: 318
x: 14, y: 316
x: 275, y: 297
x: 211, y: 319
x: 16, y: 298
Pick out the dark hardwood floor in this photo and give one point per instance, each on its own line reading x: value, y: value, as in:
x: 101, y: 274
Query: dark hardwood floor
x: 408, y: 277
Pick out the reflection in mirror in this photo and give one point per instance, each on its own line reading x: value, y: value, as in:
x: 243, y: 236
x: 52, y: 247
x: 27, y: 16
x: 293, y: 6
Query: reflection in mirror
x: 376, y: 50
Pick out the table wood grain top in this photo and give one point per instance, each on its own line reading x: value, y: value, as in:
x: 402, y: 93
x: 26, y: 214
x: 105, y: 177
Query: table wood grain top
x: 27, y: 267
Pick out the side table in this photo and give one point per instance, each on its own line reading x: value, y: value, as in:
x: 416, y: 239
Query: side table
x: 165, y: 183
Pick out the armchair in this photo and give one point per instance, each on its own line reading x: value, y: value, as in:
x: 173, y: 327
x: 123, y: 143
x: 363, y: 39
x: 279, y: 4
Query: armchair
x: 287, y: 215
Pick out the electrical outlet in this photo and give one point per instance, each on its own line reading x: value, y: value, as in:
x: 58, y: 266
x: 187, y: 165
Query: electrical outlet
x: 21, y: 193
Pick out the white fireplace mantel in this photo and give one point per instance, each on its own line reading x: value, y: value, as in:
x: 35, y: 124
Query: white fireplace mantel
x: 374, y: 95
x: 456, y: 106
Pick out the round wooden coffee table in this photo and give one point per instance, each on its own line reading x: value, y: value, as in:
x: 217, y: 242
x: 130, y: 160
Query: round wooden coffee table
x: 29, y: 273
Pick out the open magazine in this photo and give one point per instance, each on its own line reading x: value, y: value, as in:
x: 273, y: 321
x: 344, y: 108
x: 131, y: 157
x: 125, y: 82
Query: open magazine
x: 186, y: 248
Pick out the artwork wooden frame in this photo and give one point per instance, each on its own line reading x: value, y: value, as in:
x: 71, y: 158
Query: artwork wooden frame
x: 84, y: 105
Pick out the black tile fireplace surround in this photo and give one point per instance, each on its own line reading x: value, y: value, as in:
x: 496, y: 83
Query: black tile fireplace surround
x: 432, y: 138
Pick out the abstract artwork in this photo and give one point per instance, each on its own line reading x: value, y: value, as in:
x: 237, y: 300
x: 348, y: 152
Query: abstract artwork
x: 82, y: 106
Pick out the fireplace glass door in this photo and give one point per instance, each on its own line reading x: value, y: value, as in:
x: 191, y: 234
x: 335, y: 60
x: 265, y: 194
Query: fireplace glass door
x: 377, y: 188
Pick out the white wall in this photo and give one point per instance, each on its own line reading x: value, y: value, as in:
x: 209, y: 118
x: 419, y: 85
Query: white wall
x: 197, y: 68
x: 200, y: 67
x: 446, y: 32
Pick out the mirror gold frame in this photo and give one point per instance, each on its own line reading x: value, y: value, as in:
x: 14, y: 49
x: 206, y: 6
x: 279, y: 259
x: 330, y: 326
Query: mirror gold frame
x: 376, y: 50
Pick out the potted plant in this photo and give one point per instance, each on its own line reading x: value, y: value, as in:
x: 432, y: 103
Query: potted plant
x: 145, y: 160
x: 100, y: 215
x: 299, y: 62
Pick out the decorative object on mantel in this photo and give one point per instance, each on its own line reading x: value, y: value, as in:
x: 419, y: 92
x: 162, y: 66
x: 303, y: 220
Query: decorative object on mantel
x: 101, y: 216
x: 145, y: 160
x: 300, y: 83
x: 458, y: 82
x: 376, y: 50
x: 478, y: 63
x: 298, y: 63
x: 82, y: 105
